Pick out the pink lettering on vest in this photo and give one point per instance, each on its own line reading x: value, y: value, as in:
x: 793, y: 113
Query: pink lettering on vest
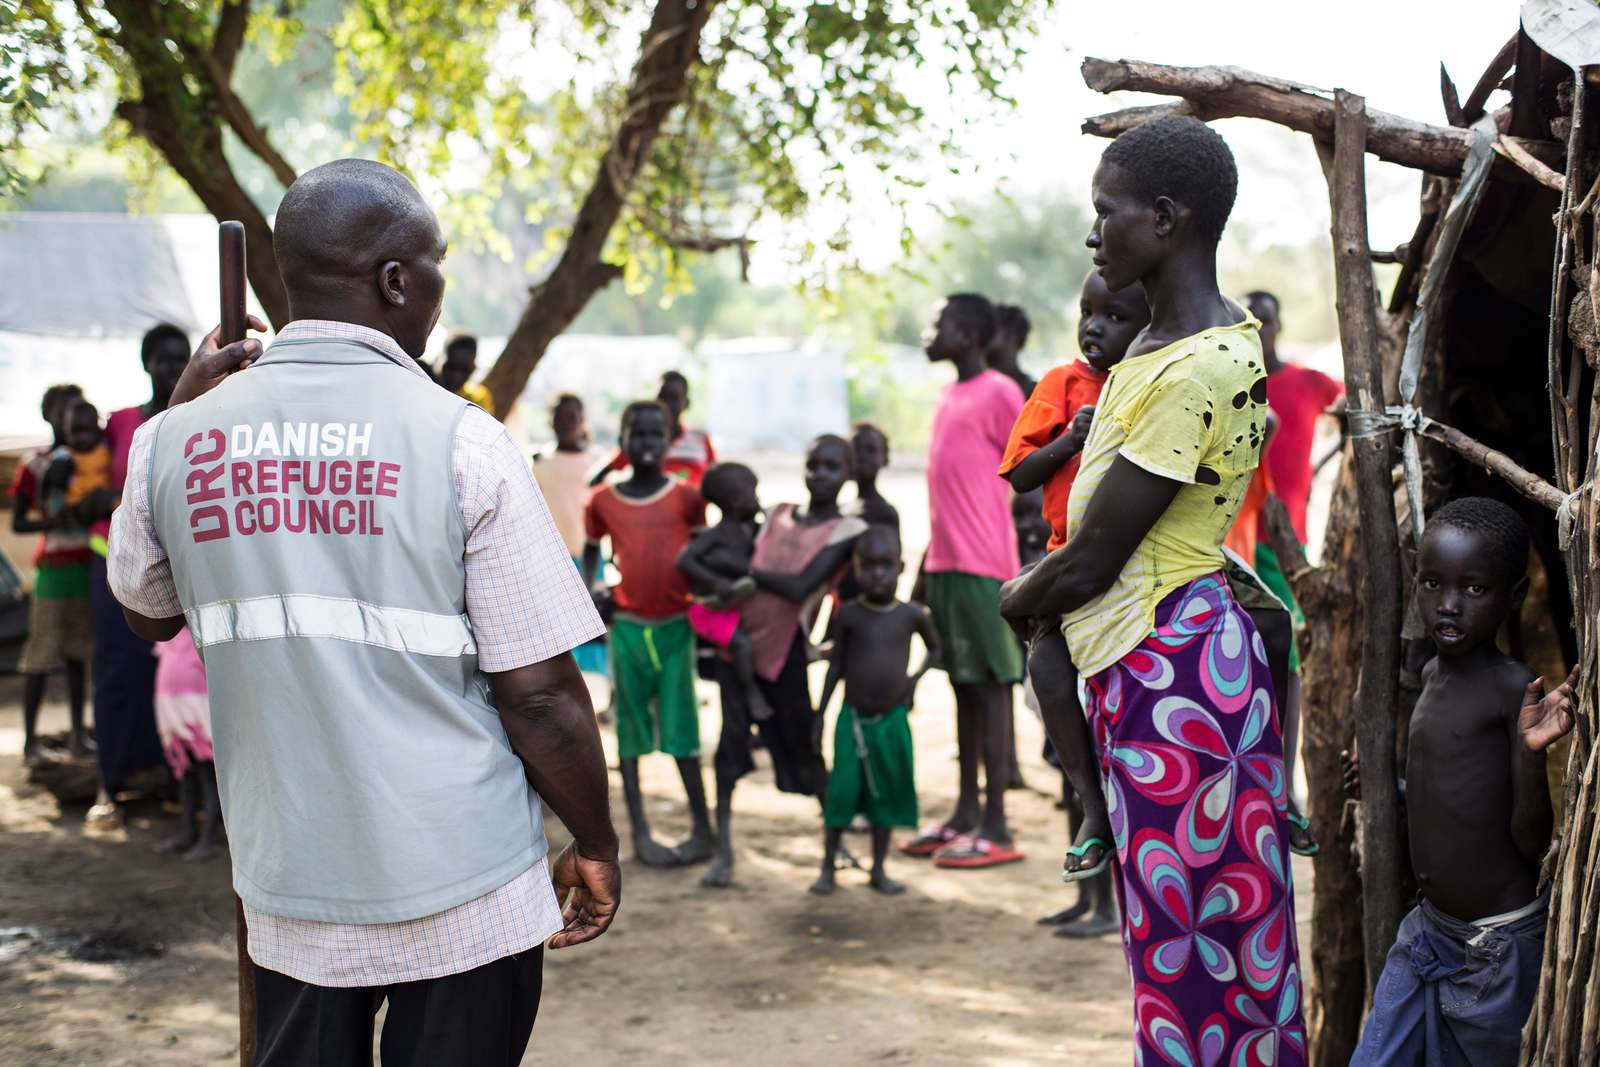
x: 209, y: 523
x: 388, y: 479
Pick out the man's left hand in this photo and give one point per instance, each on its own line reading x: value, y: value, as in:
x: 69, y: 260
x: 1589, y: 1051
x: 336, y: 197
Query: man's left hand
x: 590, y: 891
x: 212, y: 363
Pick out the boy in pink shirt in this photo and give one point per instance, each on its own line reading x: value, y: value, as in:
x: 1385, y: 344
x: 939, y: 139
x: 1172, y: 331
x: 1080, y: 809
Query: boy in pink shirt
x: 972, y: 549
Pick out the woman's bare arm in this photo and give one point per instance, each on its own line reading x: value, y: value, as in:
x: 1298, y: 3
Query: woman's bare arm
x: 1125, y: 505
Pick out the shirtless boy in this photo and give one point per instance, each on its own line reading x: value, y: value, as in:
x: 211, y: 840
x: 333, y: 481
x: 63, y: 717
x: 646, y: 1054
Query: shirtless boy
x: 872, y: 752
x: 1461, y: 977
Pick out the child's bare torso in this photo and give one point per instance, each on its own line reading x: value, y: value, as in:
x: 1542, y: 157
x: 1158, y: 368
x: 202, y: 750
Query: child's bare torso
x: 877, y: 644
x: 1459, y: 791
x: 726, y: 549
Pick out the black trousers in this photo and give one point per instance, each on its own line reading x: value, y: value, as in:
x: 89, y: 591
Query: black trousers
x: 481, y: 1017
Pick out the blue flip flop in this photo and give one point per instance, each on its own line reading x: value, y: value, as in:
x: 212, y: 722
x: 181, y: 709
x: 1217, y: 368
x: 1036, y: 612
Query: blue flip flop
x: 1080, y: 851
x: 1303, y: 824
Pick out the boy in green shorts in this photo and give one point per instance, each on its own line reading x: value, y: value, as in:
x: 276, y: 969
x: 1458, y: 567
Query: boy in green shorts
x: 872, y: 751
x: 649, y: 519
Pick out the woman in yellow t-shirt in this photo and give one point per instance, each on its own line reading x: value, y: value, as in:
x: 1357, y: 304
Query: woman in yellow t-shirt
x: 1180, y: 716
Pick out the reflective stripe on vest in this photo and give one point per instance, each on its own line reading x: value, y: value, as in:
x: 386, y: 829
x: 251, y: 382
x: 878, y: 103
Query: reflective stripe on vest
x: 421, y: 633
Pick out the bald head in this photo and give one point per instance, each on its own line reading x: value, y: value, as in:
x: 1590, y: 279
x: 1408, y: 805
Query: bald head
x: 356, y: 242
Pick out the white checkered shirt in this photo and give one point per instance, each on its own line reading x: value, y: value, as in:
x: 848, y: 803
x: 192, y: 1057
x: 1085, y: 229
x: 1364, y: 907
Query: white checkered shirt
x: 526, y: 603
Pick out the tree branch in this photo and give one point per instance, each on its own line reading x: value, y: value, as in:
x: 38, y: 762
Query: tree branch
x: 668, y: 50
x: 1228, y: 92
x: 232, y: 21
x: 243, y: 123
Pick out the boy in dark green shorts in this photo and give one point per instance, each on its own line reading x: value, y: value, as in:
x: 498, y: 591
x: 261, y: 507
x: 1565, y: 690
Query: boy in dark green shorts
x: 872, y: 751
x: 650, y: 518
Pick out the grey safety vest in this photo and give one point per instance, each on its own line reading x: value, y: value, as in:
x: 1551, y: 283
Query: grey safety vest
x: 308, y: 507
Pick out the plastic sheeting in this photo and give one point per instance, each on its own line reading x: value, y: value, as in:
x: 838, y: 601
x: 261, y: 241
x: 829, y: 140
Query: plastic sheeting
x: 90, y: 275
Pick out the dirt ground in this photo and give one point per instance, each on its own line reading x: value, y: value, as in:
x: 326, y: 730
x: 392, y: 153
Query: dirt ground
x: 111, y: 955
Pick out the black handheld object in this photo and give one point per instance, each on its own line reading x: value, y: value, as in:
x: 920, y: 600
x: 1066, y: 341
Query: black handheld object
x: 230, y: 259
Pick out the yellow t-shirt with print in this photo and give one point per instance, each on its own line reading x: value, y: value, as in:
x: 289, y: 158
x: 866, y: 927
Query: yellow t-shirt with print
x: 1195, y: 412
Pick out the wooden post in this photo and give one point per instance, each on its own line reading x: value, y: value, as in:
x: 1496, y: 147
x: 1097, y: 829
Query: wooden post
x: 1375, y: 696
x: 230, y: 267
x: 247, y: 986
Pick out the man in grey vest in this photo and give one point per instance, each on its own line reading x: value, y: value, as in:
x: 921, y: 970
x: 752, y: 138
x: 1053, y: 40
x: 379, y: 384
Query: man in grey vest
x: 385, y: 611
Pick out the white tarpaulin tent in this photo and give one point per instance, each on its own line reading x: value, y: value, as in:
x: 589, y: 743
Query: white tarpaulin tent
x: 773, y: 393
x: 79, y: 292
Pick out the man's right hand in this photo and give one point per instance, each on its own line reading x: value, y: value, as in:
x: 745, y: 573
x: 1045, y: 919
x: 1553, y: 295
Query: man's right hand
x: 211, y: 364
x: 589, y: 890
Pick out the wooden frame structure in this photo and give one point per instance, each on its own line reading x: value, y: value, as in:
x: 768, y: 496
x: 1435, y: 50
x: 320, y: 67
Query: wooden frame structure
x: 1481, y: 413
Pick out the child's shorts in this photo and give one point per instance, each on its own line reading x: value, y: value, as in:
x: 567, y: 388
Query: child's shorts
x: 716, y: 625
x: 873, y: 770
x: 652, y: 666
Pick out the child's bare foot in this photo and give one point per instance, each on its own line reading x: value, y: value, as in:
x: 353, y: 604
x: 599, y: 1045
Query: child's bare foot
x: 181, y: 843
x: 697, y: 849
x: 846, y: 860
x: 1096, y: 925
x: 760, y: 710
x: 82, y: 746
x: 202, y: 851
x: 824, y: 885
x: 33, y: 755
x: 1066, y: 915
x: 720, y: 874
x: 886, y: 885
x: 653, y: 853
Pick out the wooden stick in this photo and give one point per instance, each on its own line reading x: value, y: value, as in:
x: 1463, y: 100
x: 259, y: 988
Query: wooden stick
x: 1228, y: 92
x: 1523, y: 481
x: 230, y: 267
x: 1376, y: 692
x: 1489, y: 80
x: 1509, y: 148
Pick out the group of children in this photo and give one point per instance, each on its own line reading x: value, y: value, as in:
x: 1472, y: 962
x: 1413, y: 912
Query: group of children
x: 52, y: 495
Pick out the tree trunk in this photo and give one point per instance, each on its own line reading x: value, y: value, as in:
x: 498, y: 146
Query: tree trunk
x: 1329, y: 596
x: 184, y: 123
x: 1376, y: 692
x: 668, y: 50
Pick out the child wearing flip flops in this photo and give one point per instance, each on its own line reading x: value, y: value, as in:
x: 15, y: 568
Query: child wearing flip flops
x: 872, y: 751
x: 1043, y: 453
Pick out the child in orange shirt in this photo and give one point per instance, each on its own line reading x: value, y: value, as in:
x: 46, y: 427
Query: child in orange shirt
x: 1044, y: 451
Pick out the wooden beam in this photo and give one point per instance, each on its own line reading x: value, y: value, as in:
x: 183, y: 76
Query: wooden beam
x: 1376, y: 692
x: 1496, y: 462
x: 1231, y: 92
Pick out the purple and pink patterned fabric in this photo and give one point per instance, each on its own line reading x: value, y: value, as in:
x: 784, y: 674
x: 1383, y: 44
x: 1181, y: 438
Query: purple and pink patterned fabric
x: 1191, y: 760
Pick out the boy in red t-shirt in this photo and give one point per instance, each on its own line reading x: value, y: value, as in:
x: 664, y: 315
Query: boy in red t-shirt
x: 649, y: 518
x: 1044, y: 450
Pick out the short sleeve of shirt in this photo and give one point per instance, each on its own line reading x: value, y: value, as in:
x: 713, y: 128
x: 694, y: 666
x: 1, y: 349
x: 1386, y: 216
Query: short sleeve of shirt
x: 1005, y: 404
x: 137, y: 568
x: 1169, y: 432
x: 594, y: 520
x: 694, y: 506
x: 1042, y: 419
x: 1332, y: 389
x: 525, y: 599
